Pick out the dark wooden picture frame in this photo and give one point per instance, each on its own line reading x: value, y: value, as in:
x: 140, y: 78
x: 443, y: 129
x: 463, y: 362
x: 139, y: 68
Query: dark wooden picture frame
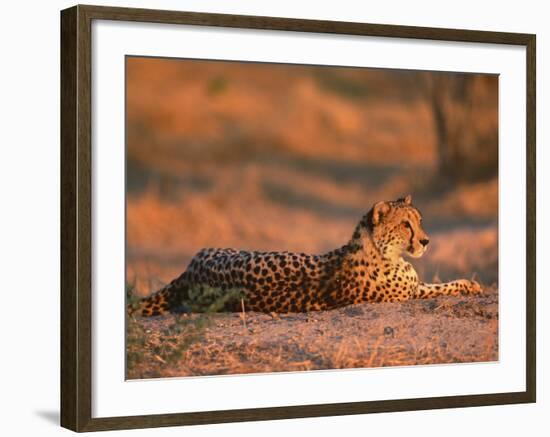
x: 76, y: 217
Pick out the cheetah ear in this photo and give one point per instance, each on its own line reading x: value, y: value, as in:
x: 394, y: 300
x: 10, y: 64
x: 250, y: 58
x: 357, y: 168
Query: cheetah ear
x: 407, y: 199
x: 379, y: 210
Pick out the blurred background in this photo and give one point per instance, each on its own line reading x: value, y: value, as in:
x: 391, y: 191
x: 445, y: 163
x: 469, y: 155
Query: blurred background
x: 285, y: 157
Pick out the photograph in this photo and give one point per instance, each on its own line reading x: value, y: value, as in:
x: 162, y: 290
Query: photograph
x: 291, y: 217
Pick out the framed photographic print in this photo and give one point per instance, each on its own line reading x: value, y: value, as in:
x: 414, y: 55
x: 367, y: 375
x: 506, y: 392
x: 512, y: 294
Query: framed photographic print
x: 267, y: 218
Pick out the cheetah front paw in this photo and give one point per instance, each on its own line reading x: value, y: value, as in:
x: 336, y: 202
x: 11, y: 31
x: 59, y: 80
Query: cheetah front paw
x: 470, y: 287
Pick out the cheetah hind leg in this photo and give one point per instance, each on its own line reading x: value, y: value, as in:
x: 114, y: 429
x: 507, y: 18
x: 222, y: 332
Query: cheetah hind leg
x: 459, y: 287
x: 157, y: 304
x: 172, y: 298
x: 182, y: 298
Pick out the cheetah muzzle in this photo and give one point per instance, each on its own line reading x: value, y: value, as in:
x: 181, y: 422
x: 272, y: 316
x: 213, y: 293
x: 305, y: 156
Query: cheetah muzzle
x: 369, y: 268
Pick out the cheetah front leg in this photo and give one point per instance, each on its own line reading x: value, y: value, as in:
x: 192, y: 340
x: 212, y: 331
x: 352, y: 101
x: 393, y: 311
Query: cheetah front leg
x: 453, y: 288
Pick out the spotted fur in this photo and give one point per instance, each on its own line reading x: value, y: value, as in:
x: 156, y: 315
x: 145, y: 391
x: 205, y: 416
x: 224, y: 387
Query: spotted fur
x: 369, y: 268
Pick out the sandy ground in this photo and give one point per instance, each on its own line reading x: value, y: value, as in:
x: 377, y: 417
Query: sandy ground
x: 431, y: 331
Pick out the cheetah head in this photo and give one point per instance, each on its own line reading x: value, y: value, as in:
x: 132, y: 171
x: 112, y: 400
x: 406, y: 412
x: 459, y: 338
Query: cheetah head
x: 396, y: 228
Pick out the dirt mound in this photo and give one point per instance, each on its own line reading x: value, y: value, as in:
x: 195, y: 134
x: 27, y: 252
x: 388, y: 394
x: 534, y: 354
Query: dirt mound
x: 432, y: 331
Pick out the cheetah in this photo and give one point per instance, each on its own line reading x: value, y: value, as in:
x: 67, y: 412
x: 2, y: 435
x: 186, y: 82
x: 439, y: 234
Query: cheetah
x: 369, y: 268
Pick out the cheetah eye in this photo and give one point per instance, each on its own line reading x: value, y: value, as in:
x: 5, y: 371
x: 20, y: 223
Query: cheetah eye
x: 407, y: 225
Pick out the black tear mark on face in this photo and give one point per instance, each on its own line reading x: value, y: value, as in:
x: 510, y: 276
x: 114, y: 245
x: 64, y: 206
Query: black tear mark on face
x: 408, y: 225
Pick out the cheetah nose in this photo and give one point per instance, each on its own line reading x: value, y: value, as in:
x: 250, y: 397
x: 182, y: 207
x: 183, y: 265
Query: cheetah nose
x: 424, y: 242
